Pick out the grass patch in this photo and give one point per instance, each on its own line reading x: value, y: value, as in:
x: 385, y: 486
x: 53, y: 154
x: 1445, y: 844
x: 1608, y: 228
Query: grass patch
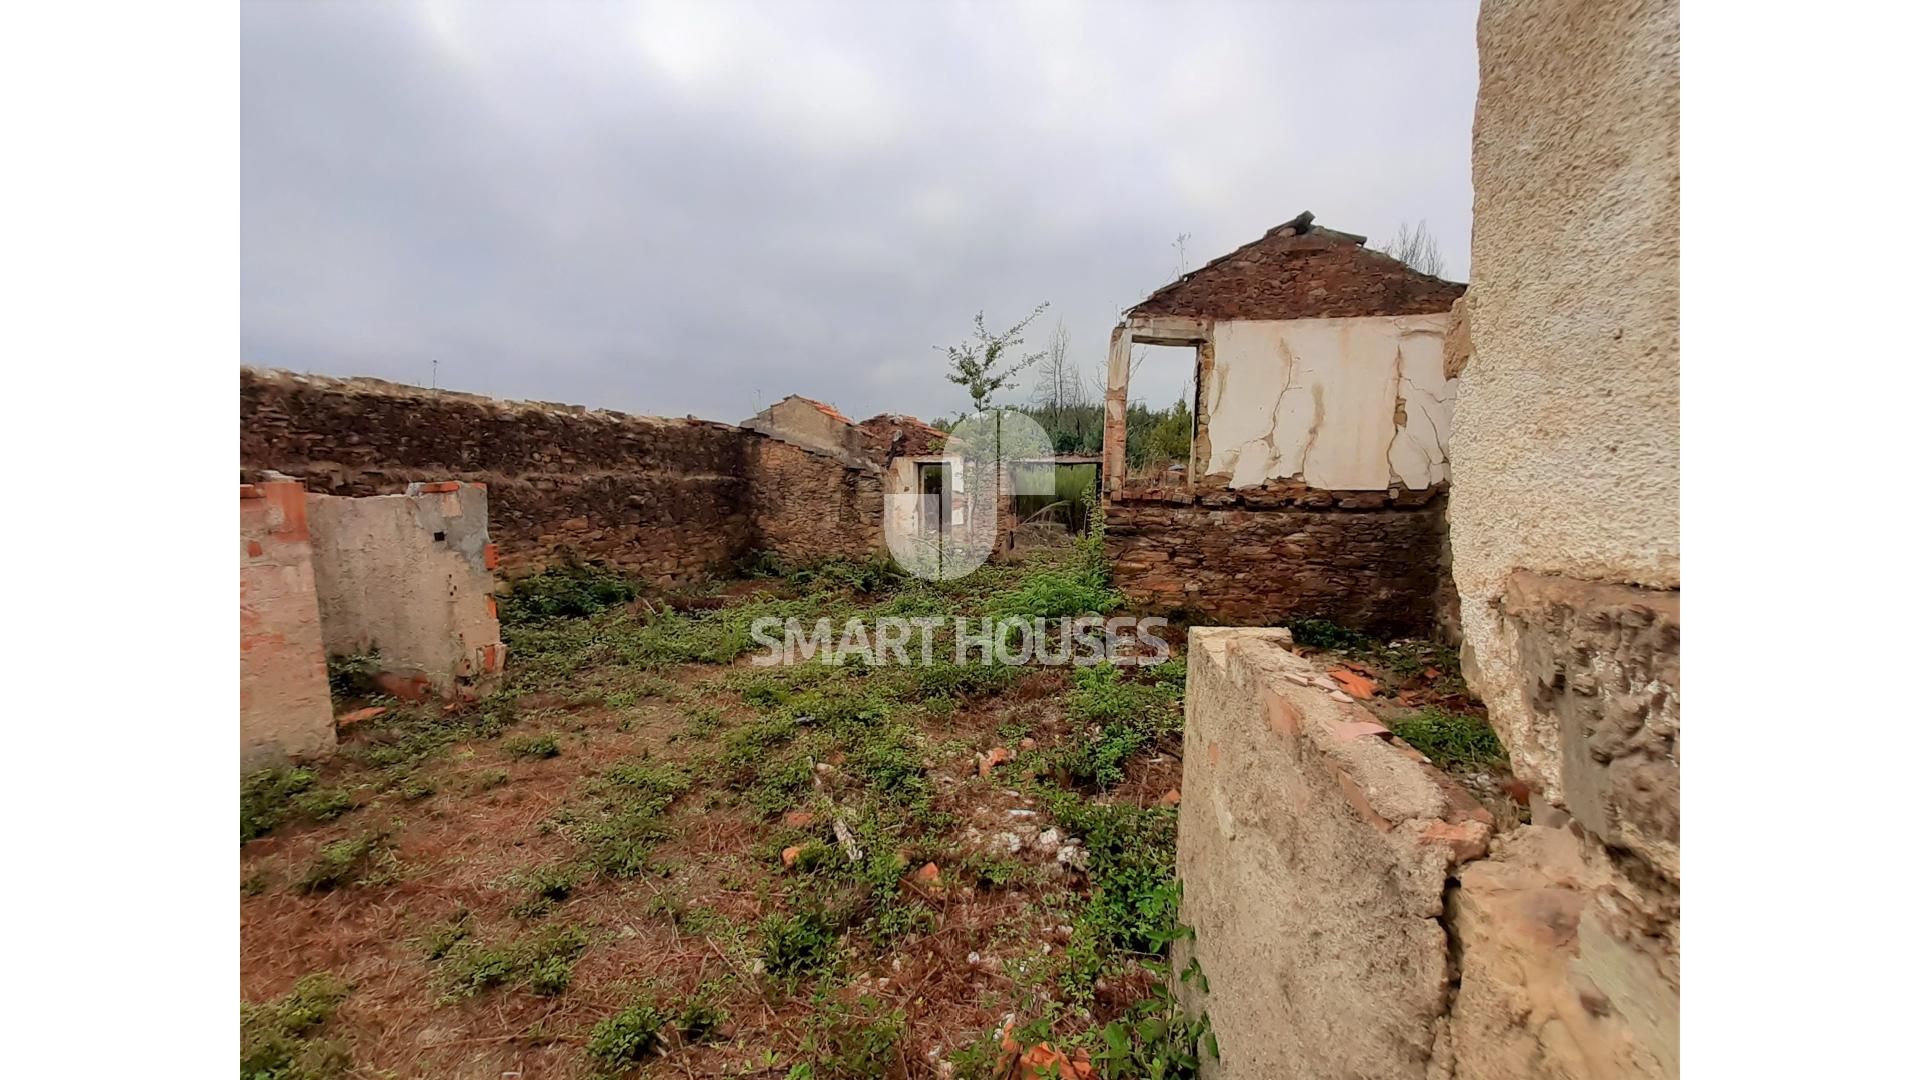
x: 1453, y: 740
x: 279, y: 1039
x: 624, y: 1039
x: 563, y: 592
x: 357, y: 860
x: 533, y: 747
x: 624, y: 820
x: 850, y: 1041
x: 273, y: 797
x: 540, y: 962
x: 1124, y: 716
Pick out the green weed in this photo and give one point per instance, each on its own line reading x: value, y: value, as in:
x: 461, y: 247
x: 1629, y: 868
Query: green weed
x: 532, y: 747
x: 358, y: 860
x: 1453, y: 740
x: 624, y: 1039
x: 278, y: 1038
x: 541, y: 962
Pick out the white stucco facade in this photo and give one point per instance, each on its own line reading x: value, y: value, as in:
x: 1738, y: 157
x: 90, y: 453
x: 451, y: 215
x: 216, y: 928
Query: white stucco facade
x: 1355, y: 404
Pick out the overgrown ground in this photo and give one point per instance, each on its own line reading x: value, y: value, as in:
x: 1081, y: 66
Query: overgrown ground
x: 647, y: 856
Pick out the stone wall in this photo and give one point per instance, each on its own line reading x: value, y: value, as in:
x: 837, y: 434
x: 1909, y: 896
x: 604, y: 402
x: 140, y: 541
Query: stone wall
x: 1368, y: 560
x: 286, y: 712
x: 663, y: 499
x: 807, y: 506
x: 1395, y: 933
x: 409, y: 577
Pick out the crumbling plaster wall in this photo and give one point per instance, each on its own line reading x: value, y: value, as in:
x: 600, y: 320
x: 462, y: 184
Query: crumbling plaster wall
x: 1359, y: 404
x: 407, y: 576
x: 1566, y: 449
x: 286, y: 712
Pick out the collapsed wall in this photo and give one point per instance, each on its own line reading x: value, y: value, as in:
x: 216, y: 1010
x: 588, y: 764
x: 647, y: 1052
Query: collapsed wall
x: 407, y: 579
x: 285, y: 709
x: 663, y: 499
x: 1355, y: 913
x: 1316, y: 481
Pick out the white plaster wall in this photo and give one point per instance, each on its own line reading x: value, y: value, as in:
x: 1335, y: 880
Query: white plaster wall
x: 1317, y: 400
x: 1566, y: 454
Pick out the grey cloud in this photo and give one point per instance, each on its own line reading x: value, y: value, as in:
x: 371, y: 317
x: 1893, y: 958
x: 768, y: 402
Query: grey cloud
x: 674, y: 209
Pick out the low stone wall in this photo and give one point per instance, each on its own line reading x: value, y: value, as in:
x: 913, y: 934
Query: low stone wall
x: 1314, y: 858
x: 285, y: 710
x: 408, y: 577
x: 666, y: 500
x: 1367, y: 560
x: 1355, y: 914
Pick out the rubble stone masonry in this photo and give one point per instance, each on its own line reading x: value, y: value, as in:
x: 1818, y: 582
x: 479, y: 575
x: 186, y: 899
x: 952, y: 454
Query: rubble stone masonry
x: 1368, y: 560
x: 664, y: 499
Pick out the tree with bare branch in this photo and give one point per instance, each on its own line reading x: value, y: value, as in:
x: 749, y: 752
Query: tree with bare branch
x: 1417, y: 248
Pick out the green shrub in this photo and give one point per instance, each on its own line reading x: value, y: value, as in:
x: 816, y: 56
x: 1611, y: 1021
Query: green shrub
x: 798, y: 945
x: 852, y: 1042
x: 624, y: 1039
x: 1321, y: 634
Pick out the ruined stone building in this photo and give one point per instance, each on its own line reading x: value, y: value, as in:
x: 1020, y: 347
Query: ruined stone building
x: 1397, y: 931
x: 1322, y: 407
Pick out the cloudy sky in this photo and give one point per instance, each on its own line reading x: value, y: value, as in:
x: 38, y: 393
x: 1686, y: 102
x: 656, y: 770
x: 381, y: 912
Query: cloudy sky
x: 674, y: 209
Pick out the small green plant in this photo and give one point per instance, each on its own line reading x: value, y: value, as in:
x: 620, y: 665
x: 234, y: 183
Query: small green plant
x: 1157, y: 1039
x: 357, y: 860
x: 1322, y: 634
x: 541, y: 962
x: 798, y: 945
x: 563, y: 592
x: 277, y: 1038
x: 624, y: 1039
x: 488, y: 779
x: 351, y: 677
x: 272, y: 797
x: 533, y: 747
x: 440, y: 940
x: 852, y: 1042
x: 627, y: 818
x: 1453, y: 740
x: 546, y: 887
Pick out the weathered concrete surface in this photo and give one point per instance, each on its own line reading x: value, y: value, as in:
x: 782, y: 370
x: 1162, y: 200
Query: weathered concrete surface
x: 286, y: 712
x: 1314, y: 855
x: 1566, y: 441
x: 408, y: 576
x: 1550, y: 986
